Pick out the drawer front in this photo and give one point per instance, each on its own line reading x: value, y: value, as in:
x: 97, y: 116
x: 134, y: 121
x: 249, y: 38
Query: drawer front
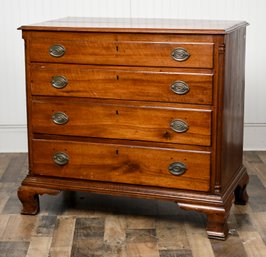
x: 133, y: 53
x: 135, y: 84
x: 122, y: 164
x: 121, y: 121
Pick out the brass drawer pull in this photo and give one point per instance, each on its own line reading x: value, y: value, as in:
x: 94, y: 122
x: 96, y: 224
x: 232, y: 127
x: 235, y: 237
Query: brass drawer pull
x: 57, y: 50
x: 60, y: 118
x: 177, y: 168
x: 59, y: 82
x: 60, y: 158
x: 179, y: 126
x: 180, y: 54
x: 180, y: 87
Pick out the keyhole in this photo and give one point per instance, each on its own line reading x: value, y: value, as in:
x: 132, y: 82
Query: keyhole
x: 117, y: 49
x: 117, y: 77
x: 116, y: 112
x: 117, y: 152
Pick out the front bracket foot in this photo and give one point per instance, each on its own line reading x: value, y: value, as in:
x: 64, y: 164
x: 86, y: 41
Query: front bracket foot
x: 217, y: 227
x: 29, y: 197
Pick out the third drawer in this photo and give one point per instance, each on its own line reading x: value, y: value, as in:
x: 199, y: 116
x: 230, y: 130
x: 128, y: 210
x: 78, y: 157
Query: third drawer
x: 122, y: 120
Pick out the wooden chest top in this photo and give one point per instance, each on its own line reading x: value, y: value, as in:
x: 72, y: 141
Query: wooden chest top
x: 131, y: 25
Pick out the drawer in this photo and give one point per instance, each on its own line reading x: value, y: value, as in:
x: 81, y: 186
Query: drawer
x: 122, y: 164
x: 121, y: 120
x: 116, y: 52
x: 121, y: 83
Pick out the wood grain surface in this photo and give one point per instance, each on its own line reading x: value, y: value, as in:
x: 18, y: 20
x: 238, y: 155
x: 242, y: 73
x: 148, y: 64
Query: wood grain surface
x: 125, y: 51
x: 122, y: 120
x: 147, y: 84
x: 122, y: 163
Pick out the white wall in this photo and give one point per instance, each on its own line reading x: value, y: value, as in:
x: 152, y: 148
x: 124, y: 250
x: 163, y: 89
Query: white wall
x: 14, y: 13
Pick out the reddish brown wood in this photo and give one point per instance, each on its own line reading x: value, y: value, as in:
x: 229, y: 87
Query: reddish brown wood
x: 29, y: 197
x: 120, y: 83
x: 232, y: 116
x: 120, y: 106
x: 120, y: 37
x: 116, y: 119
x: 126, y: 52
x: 122, y: 163
x: 133, y: 143
x: 217, y: 123
x: 217, y: 227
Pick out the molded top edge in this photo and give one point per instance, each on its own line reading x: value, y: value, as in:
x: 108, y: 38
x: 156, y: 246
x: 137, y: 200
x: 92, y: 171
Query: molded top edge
x: 137, y: 25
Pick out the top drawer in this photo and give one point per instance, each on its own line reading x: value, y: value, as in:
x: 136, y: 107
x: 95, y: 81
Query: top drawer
x: 103, y: 49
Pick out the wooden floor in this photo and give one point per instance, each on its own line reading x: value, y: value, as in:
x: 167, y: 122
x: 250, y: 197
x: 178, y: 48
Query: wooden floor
x: 80, y: 224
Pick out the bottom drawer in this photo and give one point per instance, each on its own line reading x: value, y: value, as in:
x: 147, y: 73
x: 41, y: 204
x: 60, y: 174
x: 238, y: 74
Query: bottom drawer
x: 140, y: 165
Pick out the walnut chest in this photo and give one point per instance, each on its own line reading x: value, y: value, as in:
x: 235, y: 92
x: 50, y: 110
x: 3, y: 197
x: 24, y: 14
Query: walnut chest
x: 148, y: 108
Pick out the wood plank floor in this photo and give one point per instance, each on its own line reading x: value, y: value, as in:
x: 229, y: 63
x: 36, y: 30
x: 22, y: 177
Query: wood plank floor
x: 82, y: 224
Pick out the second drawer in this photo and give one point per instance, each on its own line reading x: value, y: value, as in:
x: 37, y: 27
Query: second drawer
x: 164, y: 85
x: 122, y: 120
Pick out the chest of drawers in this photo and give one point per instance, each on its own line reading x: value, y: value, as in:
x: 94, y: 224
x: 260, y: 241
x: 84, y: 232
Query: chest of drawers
x: 140, y: 108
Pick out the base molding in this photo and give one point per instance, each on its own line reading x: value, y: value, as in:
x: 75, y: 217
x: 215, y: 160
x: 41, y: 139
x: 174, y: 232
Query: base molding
x: 216, y: 207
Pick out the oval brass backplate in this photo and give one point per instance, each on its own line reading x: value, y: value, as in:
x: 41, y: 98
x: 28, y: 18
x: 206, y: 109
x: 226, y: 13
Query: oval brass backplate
x: 59, y: 82
x: 180, y: 54
x: 60, y: 158
x: 57, y: 50
x: 180, y: 87
x: 179, y: 126
x: 177, y: 168
x: 60, y: 118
